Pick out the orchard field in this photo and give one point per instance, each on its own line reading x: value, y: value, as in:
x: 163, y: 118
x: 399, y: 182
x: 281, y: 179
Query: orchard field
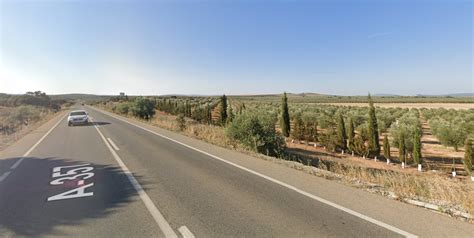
x: 444, y: 125
x: 354, y: 142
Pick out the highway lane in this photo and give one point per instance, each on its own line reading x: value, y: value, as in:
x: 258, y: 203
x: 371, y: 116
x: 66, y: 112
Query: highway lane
x: 189, y: 189
x: 214, y: 199
x: 112, y: 211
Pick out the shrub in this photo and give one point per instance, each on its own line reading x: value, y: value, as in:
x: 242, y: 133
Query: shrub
x: 256, y: 131
x: 23, y: 114
x: 181, y: 122
x: 122, y: 108
x: 143, y: 108
x: 298, y: 130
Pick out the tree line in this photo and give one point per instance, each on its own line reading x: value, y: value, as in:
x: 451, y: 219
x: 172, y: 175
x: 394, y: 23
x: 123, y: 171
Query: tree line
x: 338, y: 129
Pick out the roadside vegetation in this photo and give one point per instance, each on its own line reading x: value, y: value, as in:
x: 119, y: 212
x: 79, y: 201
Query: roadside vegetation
x: 353, y: 141
x: 21, y: 113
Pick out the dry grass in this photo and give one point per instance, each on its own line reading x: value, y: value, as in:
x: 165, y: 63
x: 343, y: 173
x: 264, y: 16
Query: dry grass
x: 7, y: 140
x: 429, y: 187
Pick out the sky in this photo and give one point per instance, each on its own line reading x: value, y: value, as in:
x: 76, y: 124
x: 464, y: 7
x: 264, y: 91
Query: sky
x: 236, y: 47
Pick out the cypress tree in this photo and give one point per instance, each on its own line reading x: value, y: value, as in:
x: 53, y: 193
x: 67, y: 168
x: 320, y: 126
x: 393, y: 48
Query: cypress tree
x: 315, y: 132
x: 386, y: 147
x: 374, y: 145
x: 351, y: 135
x: 468, y: 160
x: 223, y: 110
x: 209, y: 114
x: 401, y: 147
x: 285, y: 116
x: 417, y: 147
x: 341, y: 132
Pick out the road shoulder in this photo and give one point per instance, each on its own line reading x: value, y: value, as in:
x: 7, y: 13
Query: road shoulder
x: 401, y: 215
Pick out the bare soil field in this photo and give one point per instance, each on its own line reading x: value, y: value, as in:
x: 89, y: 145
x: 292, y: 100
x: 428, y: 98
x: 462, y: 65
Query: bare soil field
x: 456, y: 106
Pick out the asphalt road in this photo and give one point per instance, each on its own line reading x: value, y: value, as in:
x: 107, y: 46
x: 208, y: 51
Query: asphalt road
x: 127, y: 180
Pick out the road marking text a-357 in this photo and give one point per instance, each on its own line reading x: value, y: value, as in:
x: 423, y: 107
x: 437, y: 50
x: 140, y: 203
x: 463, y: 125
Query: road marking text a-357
x: 77, y: 174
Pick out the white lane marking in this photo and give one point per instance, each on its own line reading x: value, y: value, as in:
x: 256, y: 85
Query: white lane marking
x: 159, y: 219
x: 319, y: 199
x: 80, y: 182
x: 44, y: 136
x: 185, y: 232
x: 113, y: 144
x: 18, y: 162
x: 4, y: 176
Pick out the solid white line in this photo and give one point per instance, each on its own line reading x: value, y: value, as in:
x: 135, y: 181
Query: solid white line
x: 322, y: 200
x: 113, y: 144
x: 44, y: 136
x: 159, y: 219
x: 18, y: 162
x: 4, y: 176
x: 185, y: 232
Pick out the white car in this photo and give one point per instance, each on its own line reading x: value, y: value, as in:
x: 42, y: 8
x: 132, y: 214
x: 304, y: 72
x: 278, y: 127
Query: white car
x: 78, y: 117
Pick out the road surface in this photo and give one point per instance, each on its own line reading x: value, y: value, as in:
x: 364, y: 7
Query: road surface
x: 121, y: 178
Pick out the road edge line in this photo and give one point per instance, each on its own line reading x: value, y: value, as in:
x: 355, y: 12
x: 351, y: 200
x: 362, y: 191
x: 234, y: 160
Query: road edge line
x: 155, y: 213
x: 17, y: 163
x: 185, y: 232
x: 44, y: 136
x: 112, y: 143
x: 307, y: 194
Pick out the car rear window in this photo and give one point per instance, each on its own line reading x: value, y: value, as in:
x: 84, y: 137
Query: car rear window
x: 77, y: 113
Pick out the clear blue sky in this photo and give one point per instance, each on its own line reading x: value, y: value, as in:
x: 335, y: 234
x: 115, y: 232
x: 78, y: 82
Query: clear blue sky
x: 236, y: 47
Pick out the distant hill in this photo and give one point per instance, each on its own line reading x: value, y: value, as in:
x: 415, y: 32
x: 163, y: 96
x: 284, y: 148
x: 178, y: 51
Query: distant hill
x: 385, y: 95
x: 79, y: 96
x: 448, y: 95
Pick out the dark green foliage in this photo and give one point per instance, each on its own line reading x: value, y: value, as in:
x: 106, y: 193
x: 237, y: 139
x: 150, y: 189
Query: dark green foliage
x: 329, y: 140
x: 468, y: 160
x: 122, y: 108
x: 401, y: 148
x: 143, y: 108
x: 181, y: 122
x: 417, y: 157
x: 256, y: 131
x: 406, y: 127
x: 285, y: 116
x: 298, y: 128
x: 386, y: 147
x: 341, y: 133
x: 351, y: 135
x: 451, y: 127
x: 373, y: 131
x: 223, y: 109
